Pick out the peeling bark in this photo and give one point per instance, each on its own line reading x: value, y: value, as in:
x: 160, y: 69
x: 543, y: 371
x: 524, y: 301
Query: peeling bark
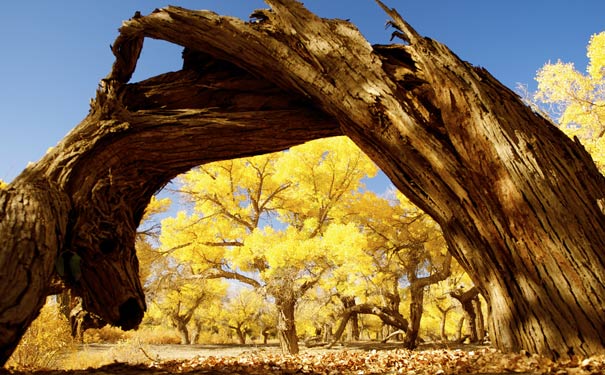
x: 516, y: 199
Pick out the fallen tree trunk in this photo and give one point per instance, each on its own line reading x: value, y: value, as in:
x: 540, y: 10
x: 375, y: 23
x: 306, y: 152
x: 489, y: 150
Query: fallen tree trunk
x: 519, y: 202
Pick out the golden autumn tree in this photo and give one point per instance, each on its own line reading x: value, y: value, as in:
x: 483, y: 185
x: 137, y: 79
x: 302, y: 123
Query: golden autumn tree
x: 408, y: 254
x: 579, y: 98
x: 178, y: 294
x: 147, y: 236
x: 273, y: 222
x: 243, y: 312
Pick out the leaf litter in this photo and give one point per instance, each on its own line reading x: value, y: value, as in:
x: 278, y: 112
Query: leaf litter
x: 358, y: 362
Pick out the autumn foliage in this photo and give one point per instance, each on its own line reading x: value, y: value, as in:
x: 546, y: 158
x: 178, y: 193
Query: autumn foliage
x: 578, y: 99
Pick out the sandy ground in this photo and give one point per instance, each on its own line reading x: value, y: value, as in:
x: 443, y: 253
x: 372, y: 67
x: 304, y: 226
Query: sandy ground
x: 172, y: 352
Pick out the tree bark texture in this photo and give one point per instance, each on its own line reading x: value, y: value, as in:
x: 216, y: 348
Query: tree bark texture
x: 519, y: 203
x: 286, y: 325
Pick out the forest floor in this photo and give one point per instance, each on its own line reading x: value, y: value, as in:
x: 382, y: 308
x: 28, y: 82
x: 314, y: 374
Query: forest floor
x: 353, y: 358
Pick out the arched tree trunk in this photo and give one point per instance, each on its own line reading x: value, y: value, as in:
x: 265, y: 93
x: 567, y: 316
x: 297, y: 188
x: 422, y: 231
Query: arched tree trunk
x: 90, y: 191
x: 520, y: 204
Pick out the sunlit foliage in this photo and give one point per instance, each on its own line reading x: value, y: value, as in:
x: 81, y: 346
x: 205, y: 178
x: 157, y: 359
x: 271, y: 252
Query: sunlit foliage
x: 578, y: 98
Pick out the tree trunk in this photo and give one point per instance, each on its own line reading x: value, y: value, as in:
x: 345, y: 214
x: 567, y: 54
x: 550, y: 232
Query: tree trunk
x: 195, y: 333
x: 444, y: 313
x: 416, y: 310
x: 479, y: 319
x: 388, y: 316
x: 460, y: 337
x: 417, y: 285
x: 472, y: 312
x: 181, y: 328
x: 520, y: 204
x: 353, y: 321
x: 265, y: 336
x: 240, y: 333
x: 286, y: 326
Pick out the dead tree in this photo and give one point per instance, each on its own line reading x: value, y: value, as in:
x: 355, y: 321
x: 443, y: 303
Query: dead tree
x: 520, y: 204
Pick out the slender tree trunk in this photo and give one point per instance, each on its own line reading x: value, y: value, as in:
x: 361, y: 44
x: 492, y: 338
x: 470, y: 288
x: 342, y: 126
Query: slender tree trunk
x: 195, y: 334
x: 443, y: 324
x: 265, y: 336
x: 459, y: 337
x: 417, y: 285
x: 520, y: 204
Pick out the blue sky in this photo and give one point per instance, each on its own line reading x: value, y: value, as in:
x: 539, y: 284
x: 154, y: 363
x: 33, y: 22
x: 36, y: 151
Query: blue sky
x: 55, y: 53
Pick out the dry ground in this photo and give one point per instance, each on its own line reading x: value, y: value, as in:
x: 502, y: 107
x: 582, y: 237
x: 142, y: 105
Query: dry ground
x: 354, y: 358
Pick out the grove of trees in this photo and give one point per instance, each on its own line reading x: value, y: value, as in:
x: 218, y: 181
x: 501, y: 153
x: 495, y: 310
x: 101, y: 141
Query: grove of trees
x: 301, y: 221
x: 519, y: 203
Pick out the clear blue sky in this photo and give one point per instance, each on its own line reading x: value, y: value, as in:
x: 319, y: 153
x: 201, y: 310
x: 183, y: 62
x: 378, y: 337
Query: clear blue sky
x: 55, y: 52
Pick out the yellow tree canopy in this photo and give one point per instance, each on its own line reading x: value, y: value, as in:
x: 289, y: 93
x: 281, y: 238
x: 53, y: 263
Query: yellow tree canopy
x: 272, y: 217
x: 578, y: 97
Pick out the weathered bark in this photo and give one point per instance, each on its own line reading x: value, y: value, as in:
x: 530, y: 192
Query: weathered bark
x: 286, y: 325
x: 519, y: 203
x: 33, y: 219
x: 517, y: 200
